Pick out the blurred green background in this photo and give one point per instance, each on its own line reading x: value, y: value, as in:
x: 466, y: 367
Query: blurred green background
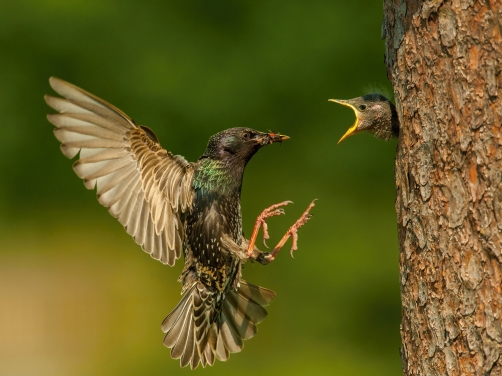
x: 79, y: 297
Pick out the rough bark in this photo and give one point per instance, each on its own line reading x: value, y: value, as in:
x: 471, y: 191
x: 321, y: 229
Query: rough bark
x: 444, y: 59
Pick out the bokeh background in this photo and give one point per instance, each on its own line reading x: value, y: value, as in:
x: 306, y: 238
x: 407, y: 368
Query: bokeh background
x: 79, y: 297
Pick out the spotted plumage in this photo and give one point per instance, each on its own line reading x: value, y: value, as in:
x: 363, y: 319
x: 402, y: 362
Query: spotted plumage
x: 173, y: 207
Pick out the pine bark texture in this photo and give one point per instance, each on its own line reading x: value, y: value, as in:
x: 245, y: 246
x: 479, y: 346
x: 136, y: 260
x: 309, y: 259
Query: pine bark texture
x: 444, y: 59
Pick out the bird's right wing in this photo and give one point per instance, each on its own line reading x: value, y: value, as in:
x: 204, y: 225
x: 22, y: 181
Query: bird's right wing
x: 144, y: 186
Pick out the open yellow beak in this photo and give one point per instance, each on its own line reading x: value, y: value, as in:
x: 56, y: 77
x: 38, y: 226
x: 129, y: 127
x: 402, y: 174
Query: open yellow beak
x: 353, y: 129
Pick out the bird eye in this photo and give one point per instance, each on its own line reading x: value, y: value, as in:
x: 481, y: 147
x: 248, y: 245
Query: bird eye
x: 362, y: 107
x: 246, y: 135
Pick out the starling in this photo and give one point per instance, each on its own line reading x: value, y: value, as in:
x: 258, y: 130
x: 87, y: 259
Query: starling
x: 375, y: 114
x: 171, y: 206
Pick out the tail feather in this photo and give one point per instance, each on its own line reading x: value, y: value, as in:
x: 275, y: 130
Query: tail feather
x: 221, y: 351
x: 231, y: 339
x: 179, y: 347
x: 203, y: 315
x: 248, y: 309
x: 202, y: 328
x: 174, y: 323
x: 243, y: 326
x: 196, y: 358
x: 207, y: 356
x: 189, y: 348
x: 260, y: 295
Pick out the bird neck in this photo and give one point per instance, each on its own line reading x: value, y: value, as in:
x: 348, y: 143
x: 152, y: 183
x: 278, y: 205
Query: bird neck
x: 218, y: 177
x: 386, y: 126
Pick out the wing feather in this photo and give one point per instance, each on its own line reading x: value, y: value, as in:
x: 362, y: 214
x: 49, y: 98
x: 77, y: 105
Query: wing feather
x: 130, y: 192
x: 97, y: 155
x: 146, y: 187
x: 90, y: 126
x: 114, y: 181
x: 63, y: 105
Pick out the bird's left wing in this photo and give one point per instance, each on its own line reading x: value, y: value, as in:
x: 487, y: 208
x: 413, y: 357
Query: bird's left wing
x: 144, y: 186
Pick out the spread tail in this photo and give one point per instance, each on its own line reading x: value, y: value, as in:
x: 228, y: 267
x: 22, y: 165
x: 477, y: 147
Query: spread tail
x: 202, y: 327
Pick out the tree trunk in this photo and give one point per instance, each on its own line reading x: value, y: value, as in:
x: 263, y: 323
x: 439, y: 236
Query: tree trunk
x: 444, y: 59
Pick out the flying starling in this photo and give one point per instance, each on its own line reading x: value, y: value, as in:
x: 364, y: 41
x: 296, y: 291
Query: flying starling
x: 375, y: 114
x: 171, y: 206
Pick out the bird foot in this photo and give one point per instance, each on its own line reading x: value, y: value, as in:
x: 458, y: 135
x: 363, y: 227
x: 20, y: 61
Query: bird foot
x: 292, y: 231
x: 271, y: 211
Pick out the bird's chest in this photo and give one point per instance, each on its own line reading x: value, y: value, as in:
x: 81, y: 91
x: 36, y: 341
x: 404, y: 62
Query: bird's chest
x: 210, y: 219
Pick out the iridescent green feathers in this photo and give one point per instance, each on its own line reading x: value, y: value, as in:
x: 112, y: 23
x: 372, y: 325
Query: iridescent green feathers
x: 220, y: 169
x: 214, y: 176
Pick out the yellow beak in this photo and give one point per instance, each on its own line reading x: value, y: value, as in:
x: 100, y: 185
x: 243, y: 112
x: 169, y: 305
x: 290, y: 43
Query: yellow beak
x: 353, y: 129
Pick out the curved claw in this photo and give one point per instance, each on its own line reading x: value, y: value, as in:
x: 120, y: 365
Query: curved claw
x: 265, y: 233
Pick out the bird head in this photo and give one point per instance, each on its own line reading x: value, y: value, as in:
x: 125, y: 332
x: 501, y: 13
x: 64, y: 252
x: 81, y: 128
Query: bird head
x: 374, y: 114
x: 239, y: 144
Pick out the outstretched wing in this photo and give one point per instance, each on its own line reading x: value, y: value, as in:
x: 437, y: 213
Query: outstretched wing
x: 144, y: 186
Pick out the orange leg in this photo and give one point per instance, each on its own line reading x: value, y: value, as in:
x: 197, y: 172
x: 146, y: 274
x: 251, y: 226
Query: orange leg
x: 271, y: 211
x: 291, y: 232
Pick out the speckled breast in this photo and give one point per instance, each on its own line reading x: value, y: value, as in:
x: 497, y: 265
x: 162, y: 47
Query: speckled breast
x: 210, y: 219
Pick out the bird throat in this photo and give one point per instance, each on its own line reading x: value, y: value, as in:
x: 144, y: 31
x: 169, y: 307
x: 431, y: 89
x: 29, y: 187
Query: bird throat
x: 218, y: 177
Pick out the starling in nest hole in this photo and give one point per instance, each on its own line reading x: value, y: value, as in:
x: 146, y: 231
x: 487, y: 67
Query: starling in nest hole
x: 170, y: 206
x: 375, y: 114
